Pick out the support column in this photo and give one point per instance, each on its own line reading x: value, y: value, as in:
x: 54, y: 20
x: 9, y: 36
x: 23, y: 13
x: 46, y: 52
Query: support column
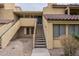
x: 68, y: 12
x: 30, y: 30
x: 66, y: 30
x: 25, y: 31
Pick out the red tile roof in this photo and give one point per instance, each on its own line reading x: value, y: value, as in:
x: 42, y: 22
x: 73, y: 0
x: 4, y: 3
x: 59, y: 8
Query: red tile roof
x: 4, y: 21
x: 61, y: 17
x: 65, y: 5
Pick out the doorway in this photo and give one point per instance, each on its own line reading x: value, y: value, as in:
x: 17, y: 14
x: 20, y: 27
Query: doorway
x: 39, y: 19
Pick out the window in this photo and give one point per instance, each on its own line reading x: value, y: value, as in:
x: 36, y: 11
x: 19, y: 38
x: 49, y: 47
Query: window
x: 62, y: 29
x: 77, y: 29
x: 73, y: 29
x: 55, y: 30
x: 58, y: 30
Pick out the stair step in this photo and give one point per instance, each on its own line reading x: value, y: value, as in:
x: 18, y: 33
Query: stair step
x: 39, y: 30
x: 40, y: 40
x: 40, y: 46
x: 40, y: 43
x: 40, y: 37
x: 40, y: 34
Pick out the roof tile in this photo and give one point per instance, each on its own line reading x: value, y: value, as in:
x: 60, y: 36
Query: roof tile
x: 61, y: 17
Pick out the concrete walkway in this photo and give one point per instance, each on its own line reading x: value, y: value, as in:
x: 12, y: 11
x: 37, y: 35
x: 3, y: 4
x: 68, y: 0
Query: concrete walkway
x: 40, y: 52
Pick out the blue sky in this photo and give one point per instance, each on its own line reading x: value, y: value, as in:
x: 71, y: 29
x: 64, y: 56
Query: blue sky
x: 39, y: 6
x: 32, y: 6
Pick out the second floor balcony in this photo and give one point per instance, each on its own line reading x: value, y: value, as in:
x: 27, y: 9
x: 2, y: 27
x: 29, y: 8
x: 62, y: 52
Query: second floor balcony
x: 70, y: 9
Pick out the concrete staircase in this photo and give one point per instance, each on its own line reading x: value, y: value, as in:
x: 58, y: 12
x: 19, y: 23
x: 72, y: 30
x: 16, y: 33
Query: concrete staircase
x: 40, y: 41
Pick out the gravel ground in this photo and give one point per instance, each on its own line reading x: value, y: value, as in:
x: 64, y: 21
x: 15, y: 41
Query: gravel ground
x: 23, y: 47
x: 18, y: 47
x: 59, y: 52
x: 56, y: 52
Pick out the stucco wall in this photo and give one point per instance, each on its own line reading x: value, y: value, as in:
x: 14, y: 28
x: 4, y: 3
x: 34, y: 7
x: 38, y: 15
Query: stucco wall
x: 27, y: 21
x: 5, y: 39
x: 48, y: 33
x: 9, y: 5
x: 5, y: 27
x: 6, y: 14
x: 50, y: 10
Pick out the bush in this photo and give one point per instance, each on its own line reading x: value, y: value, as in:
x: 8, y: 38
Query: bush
x: 76, y: 36
x: 70, y: 45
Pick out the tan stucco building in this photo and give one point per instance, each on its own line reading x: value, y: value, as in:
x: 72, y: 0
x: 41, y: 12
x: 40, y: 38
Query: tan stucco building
x: 43, y: 26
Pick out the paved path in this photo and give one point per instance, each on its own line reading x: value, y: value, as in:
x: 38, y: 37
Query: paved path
x: 40, y: 52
